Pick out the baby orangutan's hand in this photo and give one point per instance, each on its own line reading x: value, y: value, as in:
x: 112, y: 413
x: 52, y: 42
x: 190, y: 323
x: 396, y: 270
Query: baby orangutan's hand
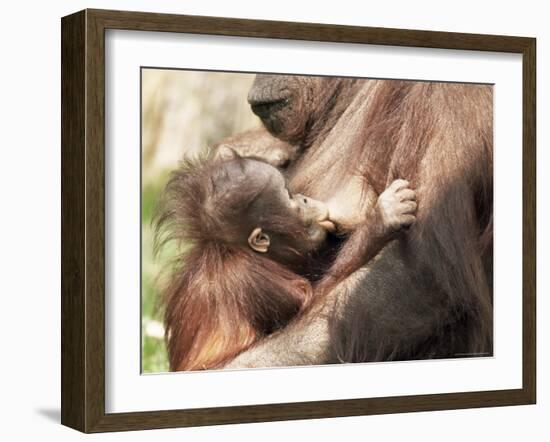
x: 397, y: 206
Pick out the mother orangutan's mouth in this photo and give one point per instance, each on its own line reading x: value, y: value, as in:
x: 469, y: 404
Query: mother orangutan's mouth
x: 265, y: 108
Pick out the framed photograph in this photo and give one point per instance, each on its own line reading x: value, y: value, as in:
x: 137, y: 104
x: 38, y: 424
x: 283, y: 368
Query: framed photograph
x: 268, y: 220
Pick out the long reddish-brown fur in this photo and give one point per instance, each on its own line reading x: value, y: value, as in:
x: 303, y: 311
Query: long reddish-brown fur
x: 438, y: 136
x: 220, y: 297
x: 429, y: 293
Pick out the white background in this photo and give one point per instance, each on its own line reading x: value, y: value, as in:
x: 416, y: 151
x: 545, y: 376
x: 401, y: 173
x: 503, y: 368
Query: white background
x: 30, y: 232
x: 128, y: 391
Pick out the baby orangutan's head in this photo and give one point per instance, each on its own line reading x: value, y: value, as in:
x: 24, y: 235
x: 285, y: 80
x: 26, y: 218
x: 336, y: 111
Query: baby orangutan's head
x: 245, y: 203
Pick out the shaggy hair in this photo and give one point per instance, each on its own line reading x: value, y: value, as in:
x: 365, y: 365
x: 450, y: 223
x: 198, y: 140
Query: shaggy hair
x: 220, y: 296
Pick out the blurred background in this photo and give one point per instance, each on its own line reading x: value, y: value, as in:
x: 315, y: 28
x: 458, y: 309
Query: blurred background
x: 183, y: 113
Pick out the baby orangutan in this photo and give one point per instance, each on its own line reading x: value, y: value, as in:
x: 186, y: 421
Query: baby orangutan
x: 247, y: 244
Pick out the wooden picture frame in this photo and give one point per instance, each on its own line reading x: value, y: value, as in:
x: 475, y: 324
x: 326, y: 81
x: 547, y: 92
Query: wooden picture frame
x: 83, y: 220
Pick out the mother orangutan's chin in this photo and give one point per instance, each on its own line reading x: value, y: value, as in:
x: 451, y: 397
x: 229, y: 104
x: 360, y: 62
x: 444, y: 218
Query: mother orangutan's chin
x: 285, y: 103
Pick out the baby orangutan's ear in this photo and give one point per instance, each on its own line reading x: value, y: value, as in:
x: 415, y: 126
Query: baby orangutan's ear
x: 259, y: 241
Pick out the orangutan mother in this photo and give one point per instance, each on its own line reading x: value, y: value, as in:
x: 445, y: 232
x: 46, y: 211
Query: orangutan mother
x: 428, y: 294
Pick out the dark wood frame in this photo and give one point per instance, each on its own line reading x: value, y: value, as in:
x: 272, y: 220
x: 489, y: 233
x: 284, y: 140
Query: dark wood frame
x: 83, y: 216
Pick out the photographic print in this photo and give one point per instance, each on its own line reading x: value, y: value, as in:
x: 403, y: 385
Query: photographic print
x: 292, y: 220
x: 248, y: 204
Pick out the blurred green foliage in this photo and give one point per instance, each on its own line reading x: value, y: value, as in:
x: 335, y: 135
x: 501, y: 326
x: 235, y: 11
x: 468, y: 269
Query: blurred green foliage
x: 154, y: 358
